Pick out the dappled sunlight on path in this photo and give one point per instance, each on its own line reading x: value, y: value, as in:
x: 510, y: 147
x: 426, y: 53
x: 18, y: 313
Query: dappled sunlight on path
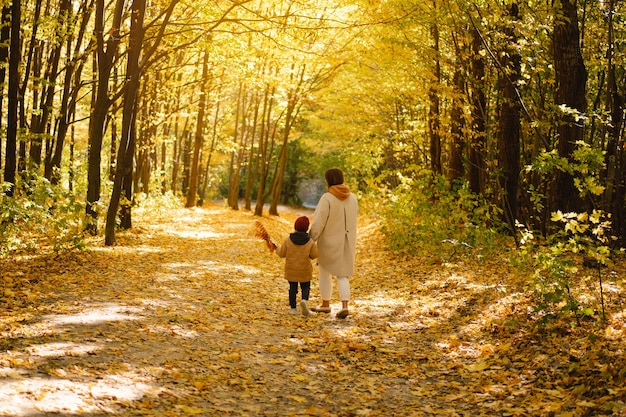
x: 188, y: 315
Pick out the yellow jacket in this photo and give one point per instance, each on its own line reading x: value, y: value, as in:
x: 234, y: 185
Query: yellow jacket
x: 298, y: 250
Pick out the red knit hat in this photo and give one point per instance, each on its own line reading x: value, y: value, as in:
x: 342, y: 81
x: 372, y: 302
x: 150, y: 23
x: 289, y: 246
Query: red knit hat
x: 302, y: 224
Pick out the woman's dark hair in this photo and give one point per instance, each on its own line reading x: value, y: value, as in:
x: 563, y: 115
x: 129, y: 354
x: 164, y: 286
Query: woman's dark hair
x: 334, y: 176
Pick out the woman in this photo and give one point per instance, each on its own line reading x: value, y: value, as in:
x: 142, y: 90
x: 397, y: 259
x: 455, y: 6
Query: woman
x: 334, y: 228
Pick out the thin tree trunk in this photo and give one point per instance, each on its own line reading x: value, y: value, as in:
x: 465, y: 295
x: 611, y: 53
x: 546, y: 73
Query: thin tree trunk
x: 10, y: 167
x: 290, y: 116
x: 71, y: 88
x: 252, y: 161
x: 434, y: 113
x: 613, y: 197
x: 42, y: 128
x: 509, y: 124
x: 33, y: 60
x: 476, y: 171
x: 264, y: 152
x: 211, y: 148
x: 5, y: 36
x: 456, y: 168
x: 70, y: 176
x: 198, y: 140
x: 176, y: 152
x: 234, y: 171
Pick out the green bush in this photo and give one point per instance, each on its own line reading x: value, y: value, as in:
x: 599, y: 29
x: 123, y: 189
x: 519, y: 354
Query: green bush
x: 581, y: 238
x: 41, y: 214
x: 426, y: 217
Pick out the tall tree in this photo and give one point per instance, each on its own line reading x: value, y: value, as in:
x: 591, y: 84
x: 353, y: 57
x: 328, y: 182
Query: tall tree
x: 32, y: 71
x: 5, y: 36
x: 434, y: 98
x: 476, y: 169
x: 237, y: 154
x: 456, y: 164
x: 10, y: 167
x: 41, y: 125
x: 71, y: 87
x: 266, y: 144
x: 105, y: 55
x: 509, y: 120
x: 124, y: 166
x: 294, y: 97
x: 192, y: 193
x: 137, y: 59
x: 570, y: 93
x: 614, y: 158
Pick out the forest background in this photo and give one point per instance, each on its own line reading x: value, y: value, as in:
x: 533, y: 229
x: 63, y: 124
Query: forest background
x: 484, y: 140
x: 457, y: 123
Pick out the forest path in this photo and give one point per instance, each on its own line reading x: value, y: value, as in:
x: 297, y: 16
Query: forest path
x: 188, y: 315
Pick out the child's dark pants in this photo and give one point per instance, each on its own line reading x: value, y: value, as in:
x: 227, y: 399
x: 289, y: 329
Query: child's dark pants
x: 293, y: 291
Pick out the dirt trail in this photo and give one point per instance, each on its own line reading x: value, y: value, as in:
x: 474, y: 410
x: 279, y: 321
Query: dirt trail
x: 188, y: 315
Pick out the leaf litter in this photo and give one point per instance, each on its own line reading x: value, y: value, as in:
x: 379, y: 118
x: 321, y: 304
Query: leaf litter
x: 188, y: 315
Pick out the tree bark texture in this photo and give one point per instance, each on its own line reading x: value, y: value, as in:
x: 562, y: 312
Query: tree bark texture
x: 10, y: 167
x: 5, y: 36
x: 571, y: 84
x: 71, y: 88
x: 434, y: 113
x: 198, y: 140
x: 456, y: 166
x: 124, y: 168
x: 105, y: 54
x: 476, y: 169
x: 509, y: 124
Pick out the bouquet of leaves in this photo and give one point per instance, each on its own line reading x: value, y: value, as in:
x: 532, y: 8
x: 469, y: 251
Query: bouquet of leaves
x: 261, y: 232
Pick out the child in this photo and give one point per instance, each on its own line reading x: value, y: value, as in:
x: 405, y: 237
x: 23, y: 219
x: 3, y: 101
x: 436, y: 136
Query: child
x: 298, y: 249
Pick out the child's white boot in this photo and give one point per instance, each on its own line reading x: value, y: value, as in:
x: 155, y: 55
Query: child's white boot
x: 305, y: 308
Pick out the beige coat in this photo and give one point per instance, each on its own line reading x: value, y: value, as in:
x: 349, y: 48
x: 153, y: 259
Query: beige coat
x: 334, y: 228
x: 298, y: 267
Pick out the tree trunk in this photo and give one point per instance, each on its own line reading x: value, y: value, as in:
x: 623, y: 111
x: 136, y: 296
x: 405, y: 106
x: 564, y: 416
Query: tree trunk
x: 34, y: 61
x: 5, y: 36
x: 35, y: 135
x: 212, y: 147
x: 177, y: 145
x: 290, y: 116
x: 186, y: 156
x: 198, y: 140
x: 124, y: 167
x: 614, y: 194
x: 71, y: 89
x: 476, y: 171
x: 105, y: 55
x: 163, y: 162
x: 264, y: 149
x: 456, y: 167
x: 253, y: 162
x: 70, y: 176
x: 234, y: 172
x: 509, y: 124
x: 41, y: 129
x: 10, y: 167
x: 571, y: 83
x: 434, y: 113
